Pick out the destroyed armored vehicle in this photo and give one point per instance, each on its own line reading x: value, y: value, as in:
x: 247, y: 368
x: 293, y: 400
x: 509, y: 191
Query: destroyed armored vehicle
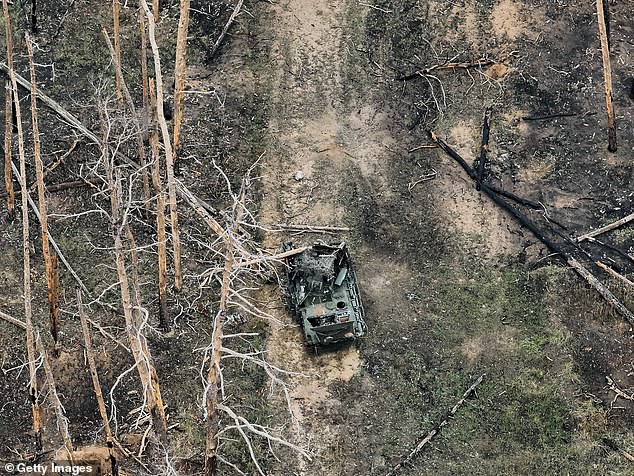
x: 323, y: 295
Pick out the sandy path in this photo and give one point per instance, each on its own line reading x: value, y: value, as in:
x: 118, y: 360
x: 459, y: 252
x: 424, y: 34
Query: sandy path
x: 306, y: 129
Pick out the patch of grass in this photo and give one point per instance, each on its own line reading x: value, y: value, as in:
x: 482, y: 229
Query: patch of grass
x: 624, y: 236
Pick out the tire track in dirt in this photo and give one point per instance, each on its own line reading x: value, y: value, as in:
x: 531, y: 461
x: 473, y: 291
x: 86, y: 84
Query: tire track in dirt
x: 307, y: 133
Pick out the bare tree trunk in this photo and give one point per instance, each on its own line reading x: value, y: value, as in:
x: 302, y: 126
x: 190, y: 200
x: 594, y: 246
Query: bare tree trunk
x: 138, y: 342
x: 233, y: 16
x: 90, y: 357
x: 8, y: 181
x: 155, y: 8
x: 214, y: 375
x: 607, y: 74
x: 52, y: 272
x: 52, y: 280
x: 160, y: 221
x: 133, y: 322
x: 180, y: 73
x: 62, y: 422
x: 30, y: 334
x: 115, y: 21
x: 169, y: 156
x: 139, y: 131
x: 214, y: 379
x: 144, y: 75
x: 33, y: 16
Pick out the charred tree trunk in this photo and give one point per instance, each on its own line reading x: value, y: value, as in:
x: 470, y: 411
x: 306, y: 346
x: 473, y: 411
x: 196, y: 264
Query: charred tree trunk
x: 484, y: 148
x: 28, y: 312
x: 169, y: 155
x: 553, y: 247
x: 90, y: 357
x: 117, y: 49
x: 160, y: 220
x: 52, y: 271
x: 34, y: 16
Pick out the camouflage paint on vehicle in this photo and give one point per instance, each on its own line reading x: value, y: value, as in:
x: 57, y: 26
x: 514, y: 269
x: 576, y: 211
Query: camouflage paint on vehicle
x: 323, y: 294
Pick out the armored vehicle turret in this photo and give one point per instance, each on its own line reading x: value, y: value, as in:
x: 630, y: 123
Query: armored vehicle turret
x: 323, y: 294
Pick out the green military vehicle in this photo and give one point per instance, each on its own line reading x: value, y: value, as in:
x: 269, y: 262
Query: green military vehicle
x: 323, y: 295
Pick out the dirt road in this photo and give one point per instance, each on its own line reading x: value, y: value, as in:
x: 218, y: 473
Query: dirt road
x: 313, y: 143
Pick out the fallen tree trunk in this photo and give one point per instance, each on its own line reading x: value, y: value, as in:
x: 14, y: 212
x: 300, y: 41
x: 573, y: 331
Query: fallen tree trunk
x: 60, y: 187
x: 553, y: 247
x: 458, y: 158
x: 16, y: 322
x: 449, y: 66
x: 548, y: 116
x: 484, y: 148
x: 614, y: 447
x: 315, y: 228
x: 613, y: 273
x: 605, y: 228
x: 437, y: 429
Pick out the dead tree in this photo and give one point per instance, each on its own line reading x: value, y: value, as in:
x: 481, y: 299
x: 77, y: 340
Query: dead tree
x: 214, y: 374
x: 607, y: 75
x: 484, y: 148
x: 8, y: 181
x: 50, y: 262
x: 160, y: 218
x: 132, y: 310
x: 180, y: 73
x: 61, y: 420
x: 448, y: 417
x: 235, y: 244
x: 218, y: 42
x: 117, y: 49
x: 90, y: 358
x: 135, y: 118
x: 539, y: 233
x: 144, y: 75
x: 34, y: 16
x: 28, y: 312
x: 603, y: 229
x: 198, y: 205
x: 167, y: 144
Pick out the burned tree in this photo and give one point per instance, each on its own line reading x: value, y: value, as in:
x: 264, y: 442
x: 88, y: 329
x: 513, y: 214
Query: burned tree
x: 50, y: 260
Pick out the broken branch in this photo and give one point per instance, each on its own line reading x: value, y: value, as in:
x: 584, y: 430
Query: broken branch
x: 436, y: 429
x: 233, y: 16
x: 605, y: 228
